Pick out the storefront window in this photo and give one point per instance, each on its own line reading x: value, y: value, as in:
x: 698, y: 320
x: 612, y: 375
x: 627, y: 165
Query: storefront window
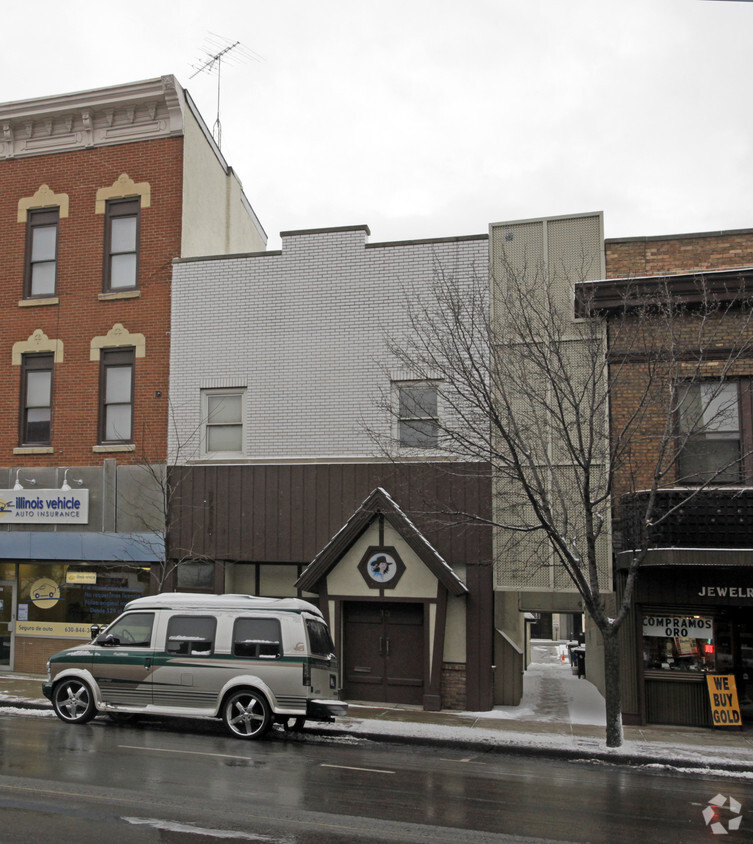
x: 679, y: 643
x: 7, y: 571
x: 77, y: 594
x: 196, y: 577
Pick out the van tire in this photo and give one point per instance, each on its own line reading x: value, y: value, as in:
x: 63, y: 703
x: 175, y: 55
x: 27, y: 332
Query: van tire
x: 246, y: 714
x: 73, y: 702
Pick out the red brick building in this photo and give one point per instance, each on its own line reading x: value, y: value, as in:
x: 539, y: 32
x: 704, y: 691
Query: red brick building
x: 99, y: 192
x: 693, y: 607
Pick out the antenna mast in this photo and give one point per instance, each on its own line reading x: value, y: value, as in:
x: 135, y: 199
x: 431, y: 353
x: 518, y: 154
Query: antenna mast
x: 209, y: 65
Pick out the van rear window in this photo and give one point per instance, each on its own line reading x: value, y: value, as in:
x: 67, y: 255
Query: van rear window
x: 257, y: 638
x: 320, y: 641
x: 190, y: 635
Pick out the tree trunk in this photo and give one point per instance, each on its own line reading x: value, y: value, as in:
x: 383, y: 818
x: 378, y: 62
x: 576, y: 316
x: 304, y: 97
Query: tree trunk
x: 612, y: 688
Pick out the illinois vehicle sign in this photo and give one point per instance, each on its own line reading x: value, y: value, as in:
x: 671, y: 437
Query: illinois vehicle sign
x: 44, y: 506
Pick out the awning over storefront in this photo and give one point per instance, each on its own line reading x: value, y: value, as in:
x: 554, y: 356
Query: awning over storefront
x: 82, y: 546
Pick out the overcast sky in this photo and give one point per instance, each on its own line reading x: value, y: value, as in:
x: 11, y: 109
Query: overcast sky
x: 433, y: 118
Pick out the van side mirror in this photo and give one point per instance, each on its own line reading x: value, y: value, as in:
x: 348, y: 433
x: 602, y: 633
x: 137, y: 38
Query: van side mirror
x: 107, y: 640
x: 95, y: 630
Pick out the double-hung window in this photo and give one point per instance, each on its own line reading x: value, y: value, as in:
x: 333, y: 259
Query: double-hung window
x: 222, y: 413
x: 709, y: 428
x: 116, y: 396
x: 418, y: 419
x: 122, y: 223
x: 41, y: 253
x: 36, y: 399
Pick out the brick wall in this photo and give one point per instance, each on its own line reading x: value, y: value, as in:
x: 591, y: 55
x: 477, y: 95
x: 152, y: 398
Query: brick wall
x: 80, y: 315
x: 32, y: 653
x: 637, y: 256
x: 304, y: 330
x: 452, y: 685
x: 657, y: 256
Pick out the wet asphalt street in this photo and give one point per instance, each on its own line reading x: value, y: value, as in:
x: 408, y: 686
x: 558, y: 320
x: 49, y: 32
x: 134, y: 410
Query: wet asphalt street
x: 187, y: 782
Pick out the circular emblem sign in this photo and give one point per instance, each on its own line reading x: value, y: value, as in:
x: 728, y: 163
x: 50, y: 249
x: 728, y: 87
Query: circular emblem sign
x: 381, y: 567
x: 44, y: 593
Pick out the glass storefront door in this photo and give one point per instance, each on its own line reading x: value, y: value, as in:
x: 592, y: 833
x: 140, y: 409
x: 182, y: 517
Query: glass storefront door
x: 7, y: 615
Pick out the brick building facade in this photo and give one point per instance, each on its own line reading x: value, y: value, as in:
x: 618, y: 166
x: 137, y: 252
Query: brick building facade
x: 301, y: 456
x: 99, y: 192
x: 683, y: 356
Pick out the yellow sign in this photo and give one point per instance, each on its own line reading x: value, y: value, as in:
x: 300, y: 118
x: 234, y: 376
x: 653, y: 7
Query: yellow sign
x: 58, y: 629
x: 44, y: 593
x: 725, y: 709
x: 81, y: 577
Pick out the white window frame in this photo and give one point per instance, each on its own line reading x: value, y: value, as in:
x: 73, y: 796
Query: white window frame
x: 397, y: 386
x: 206, y: 422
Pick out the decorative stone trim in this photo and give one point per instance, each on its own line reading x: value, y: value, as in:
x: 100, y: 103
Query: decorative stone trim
x: 43, y: 198
x: 38, y: 342
x: 123, y: 186
x: 105, y: 449
x: 29, y: 303
x: 125, y: 294
x: 119, y: 114
x: 117, y: 336
x: 36, y: 449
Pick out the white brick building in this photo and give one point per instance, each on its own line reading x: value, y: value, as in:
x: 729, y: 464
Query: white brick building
x: 306, y: 461
x: 299, y: 334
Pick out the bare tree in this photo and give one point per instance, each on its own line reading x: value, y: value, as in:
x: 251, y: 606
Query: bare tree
x: 150, y: 499
x: 574, y: 410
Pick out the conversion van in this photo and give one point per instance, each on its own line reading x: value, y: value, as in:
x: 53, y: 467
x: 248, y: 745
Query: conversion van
x: 249, y: 661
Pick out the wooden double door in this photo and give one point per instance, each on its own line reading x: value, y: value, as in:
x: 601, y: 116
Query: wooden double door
x: 384, y: 656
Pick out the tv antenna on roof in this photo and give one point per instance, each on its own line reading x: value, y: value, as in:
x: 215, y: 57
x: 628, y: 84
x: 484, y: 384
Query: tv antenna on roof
x: 217, y: 50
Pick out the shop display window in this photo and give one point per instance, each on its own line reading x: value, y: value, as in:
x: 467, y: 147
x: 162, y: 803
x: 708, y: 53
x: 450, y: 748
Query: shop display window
x: 78, y: 594
x: 679, y: 643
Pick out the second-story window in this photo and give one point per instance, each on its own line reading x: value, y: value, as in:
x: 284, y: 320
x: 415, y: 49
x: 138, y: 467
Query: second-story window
x: 222, y: 412
x: 418, y: 419
x: 36, y: 399
x: 116, y: 396
x: 41, y: 253
x: 709, y: 427
x: 122, y: 244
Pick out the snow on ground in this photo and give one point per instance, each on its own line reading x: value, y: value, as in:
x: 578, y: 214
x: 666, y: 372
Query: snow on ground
x: 551, y: 692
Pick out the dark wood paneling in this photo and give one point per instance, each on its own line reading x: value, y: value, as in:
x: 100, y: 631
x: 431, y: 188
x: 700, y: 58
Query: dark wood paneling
x: 288, y: 513
x: 677, y: 702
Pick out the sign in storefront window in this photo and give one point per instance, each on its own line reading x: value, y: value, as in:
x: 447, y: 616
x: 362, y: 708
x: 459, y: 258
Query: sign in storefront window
x: 57, y: 596
x: 679, y: 643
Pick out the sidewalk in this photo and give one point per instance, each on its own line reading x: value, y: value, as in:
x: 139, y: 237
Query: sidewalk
x: 560, y: 715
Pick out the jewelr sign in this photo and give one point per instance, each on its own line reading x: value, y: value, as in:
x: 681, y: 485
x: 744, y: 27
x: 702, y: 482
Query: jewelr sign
x: 44, y: 506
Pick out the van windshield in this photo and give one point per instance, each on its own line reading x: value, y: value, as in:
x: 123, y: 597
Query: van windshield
x: 134, y: 629
x: 320, y: 641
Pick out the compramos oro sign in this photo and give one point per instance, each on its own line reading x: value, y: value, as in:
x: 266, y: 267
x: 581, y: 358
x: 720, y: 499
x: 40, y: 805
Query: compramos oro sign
x: 684, y: 626
x: 44, y: 506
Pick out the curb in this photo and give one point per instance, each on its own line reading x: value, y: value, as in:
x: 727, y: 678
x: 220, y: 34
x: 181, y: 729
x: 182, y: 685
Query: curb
x: 522, y: 749
x: 23, y: 704
x: 509, y: 748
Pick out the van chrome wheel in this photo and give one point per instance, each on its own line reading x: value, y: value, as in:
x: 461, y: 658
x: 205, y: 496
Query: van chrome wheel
x: 73, y: 702
x: 246, y: 715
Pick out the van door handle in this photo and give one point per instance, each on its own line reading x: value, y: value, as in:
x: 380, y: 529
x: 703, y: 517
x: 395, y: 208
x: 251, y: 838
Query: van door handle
x: 388, y: 646
x: 148, y: 662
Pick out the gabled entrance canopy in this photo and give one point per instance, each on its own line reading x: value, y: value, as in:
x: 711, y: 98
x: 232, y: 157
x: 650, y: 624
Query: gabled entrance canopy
x: 379, y: 503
